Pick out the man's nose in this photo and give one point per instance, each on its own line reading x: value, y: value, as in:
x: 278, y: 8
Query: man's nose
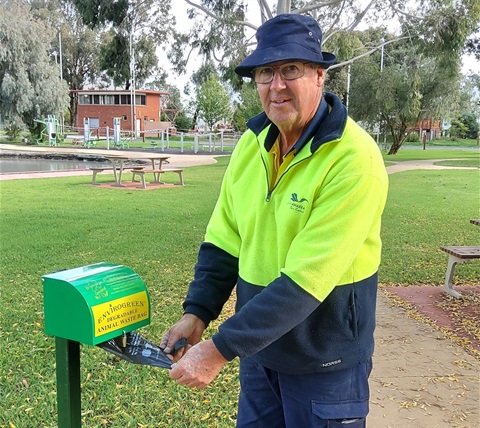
x: 278, y: 82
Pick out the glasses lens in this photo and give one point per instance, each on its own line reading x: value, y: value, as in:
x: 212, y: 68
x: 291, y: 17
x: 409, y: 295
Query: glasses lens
x: 263, y: 75
x: 290, y: 71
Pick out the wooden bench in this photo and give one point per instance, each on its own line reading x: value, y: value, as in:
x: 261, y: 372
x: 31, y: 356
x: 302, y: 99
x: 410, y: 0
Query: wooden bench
x: 96, y: 170
x: 156, y: 175
x: 458, y: 254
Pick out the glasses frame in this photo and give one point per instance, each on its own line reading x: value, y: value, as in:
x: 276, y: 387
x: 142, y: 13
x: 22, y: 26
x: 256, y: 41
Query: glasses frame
x: 279, y: 67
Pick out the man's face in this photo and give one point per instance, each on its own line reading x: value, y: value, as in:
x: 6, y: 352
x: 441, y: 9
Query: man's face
x: 290, y: 104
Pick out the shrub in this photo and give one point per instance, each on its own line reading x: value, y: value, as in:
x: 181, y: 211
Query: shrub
x: 12, y: 130
x: 412, y: 137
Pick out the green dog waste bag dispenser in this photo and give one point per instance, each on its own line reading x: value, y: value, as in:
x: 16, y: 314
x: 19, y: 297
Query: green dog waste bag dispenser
x: 90, y: 305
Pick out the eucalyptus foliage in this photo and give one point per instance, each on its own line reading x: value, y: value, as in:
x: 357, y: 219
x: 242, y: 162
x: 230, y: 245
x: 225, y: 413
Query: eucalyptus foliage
x: 136, y: 29
x: 30, y: 85
x: 77, y: 45
x: 247, y: 106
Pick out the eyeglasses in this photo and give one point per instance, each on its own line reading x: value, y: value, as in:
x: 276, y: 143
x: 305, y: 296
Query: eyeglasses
x: 289, y: 71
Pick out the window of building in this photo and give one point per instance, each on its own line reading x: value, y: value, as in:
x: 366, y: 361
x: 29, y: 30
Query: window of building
x: 113, y: 99
x: 84, y: 99
x: 140, y: 100
x: 109, y: 99
x: 125, y: 99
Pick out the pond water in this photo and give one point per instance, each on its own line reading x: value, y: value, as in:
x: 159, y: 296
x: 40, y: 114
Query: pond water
x: 8, y: 165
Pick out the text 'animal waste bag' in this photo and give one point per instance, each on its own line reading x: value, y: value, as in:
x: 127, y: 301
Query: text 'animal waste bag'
x: 135, y: 349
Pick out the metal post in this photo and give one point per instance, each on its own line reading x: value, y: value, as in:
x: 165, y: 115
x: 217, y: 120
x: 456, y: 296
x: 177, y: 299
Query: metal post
x: 195, y: 143
x: 348, y: 86
x: 181, y: 142
x: 68, y: 383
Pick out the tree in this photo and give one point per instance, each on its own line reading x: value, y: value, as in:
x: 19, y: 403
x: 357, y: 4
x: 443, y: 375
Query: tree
x: 213, y: 102
x: 434, y: 30
x: 75, y: 42
x: 136, y: 28
x: 30, y: 85
x: 465, y: 126
x: 409, y: 87
x: 224, y: 33
x: 248, y: 106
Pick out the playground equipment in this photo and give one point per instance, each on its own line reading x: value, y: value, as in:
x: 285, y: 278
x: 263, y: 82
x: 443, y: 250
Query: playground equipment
x: 117, y: 134
x: 50, y: 130
x: 87, y: 141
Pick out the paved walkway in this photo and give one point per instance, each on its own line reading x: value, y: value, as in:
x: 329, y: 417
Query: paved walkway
x: 420, y: 379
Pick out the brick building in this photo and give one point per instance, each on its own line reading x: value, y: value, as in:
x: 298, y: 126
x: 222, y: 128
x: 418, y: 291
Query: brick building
x: 429, y: 129
x: 99, y: 107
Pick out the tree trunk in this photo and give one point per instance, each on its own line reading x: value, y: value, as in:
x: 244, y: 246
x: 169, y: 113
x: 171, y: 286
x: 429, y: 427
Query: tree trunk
x: 399, y: 135
x: 73, y: 108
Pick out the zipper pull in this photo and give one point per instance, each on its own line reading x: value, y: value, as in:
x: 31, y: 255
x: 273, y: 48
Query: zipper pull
x: 269, y: 193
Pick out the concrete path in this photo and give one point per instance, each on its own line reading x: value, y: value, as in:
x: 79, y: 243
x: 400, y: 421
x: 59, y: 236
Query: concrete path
x: 421, y: 164
x: 420, y: 379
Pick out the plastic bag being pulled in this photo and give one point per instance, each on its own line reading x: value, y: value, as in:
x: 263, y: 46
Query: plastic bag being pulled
x: 134, y: 348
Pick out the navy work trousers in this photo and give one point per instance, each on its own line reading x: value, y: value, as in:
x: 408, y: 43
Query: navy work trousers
x: 269, y: 399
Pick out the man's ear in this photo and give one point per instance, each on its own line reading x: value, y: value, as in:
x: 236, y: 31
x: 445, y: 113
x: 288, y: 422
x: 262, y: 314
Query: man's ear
x: 321, y: 74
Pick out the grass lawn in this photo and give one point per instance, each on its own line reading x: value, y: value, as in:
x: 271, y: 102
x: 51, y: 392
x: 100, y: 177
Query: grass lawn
x: 407, y: 155
x: 52, y: 224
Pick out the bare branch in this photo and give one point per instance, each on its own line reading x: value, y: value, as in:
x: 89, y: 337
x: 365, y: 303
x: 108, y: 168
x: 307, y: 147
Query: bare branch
x: 316, y: 6
x: 265, y: 9
x: 353, y: 25
x: 403, y: 13
x: 334, y: 22
x: 376, y: 48
x: 360, y: 16
x: 212, y: 15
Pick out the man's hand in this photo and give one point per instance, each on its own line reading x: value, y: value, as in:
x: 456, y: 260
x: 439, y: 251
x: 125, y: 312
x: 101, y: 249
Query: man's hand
x: 190, y: 327
x: 199, y: 366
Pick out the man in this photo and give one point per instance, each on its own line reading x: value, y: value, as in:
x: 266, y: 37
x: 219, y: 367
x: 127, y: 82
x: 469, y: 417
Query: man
x: 296, y: 229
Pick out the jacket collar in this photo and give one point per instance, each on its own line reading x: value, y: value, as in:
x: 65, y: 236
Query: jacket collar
x: 328, y: 124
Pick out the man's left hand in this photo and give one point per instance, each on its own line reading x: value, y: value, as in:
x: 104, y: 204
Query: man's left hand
x: 199, y: 366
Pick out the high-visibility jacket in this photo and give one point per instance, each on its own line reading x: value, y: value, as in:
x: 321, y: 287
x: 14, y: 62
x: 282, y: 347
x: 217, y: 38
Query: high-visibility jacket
x: 303, y: 251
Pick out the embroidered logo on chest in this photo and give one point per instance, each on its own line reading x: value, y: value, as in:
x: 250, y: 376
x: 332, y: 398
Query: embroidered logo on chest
x: 297, y: 204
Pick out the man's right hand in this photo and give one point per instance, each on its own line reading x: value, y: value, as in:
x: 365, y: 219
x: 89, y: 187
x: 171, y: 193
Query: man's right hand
x: 190, y: 327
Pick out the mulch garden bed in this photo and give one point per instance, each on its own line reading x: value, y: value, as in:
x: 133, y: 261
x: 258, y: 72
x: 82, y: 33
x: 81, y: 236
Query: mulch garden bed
x: 457, y: 319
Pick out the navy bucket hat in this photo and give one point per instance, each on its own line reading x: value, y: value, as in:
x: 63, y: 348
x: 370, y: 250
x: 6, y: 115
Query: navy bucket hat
x: 287, y: 37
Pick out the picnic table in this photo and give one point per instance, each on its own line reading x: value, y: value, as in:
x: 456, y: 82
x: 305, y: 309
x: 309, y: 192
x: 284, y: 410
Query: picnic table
x: 119, y: 165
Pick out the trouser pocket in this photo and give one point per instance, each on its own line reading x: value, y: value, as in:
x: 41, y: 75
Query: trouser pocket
x: 347, y: 423
x: 343, y: 414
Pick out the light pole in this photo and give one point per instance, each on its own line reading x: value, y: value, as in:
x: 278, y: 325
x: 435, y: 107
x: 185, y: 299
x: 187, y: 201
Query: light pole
x: 381, y: 71
x: 348, y: 86
x: 60, y: 53
x: 132, y: 87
